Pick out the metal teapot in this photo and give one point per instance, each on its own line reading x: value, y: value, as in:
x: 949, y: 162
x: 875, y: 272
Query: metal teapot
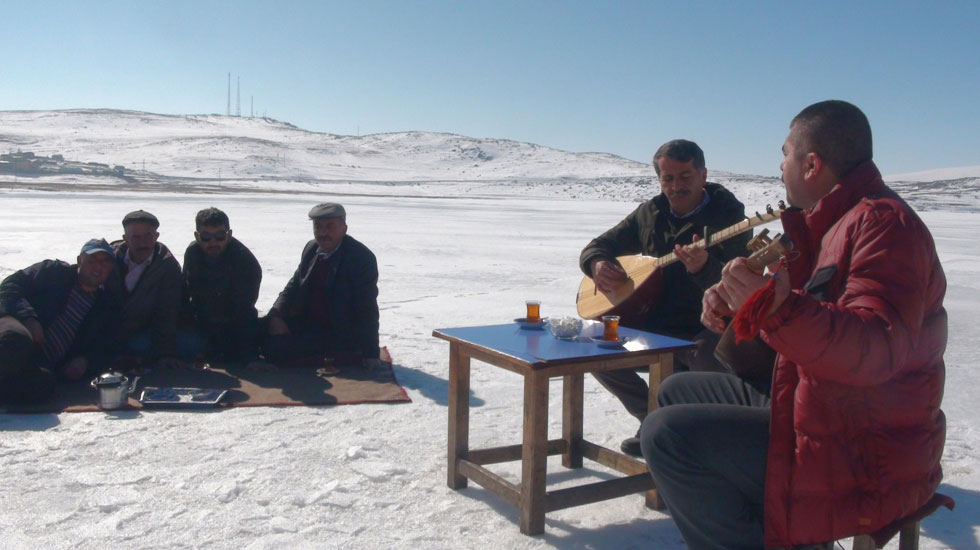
x: 114, y: 389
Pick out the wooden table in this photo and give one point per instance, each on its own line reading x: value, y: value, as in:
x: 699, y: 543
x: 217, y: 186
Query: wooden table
x: 538, y: 356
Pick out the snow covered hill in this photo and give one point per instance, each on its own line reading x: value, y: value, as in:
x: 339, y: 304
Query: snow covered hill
x: 200, y: 145
x: 942, y: 174
x: 215, y: 153
x: 956, y: 189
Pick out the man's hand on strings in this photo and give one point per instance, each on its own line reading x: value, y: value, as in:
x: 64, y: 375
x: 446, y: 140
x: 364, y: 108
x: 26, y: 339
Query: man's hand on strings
x: 692, y: 255
x: 714, y: 310
x: 607, y: 275
x: 737, y: 284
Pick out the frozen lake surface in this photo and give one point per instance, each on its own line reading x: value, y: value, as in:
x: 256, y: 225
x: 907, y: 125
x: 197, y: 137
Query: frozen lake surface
x: 374, y: 476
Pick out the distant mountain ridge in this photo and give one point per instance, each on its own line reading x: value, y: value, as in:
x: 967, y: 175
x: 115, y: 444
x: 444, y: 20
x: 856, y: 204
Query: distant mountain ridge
x: 214, y: 153
x: 941, y: 174
x: 200, y: 145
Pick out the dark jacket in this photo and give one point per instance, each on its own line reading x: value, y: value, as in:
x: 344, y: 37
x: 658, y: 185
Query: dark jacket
x: 154, y: 303
x: 856, y: 431
x: 220, y: 296
x: 41, y: 292
x: 352, y: 297
x: 653, y: 231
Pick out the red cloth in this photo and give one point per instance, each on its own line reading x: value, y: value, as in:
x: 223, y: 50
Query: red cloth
x: 856, y: 431
x: 748, y: 320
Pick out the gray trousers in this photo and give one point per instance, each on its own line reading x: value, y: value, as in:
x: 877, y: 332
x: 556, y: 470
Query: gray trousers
x: 706, y: 449
x: 632, y: 390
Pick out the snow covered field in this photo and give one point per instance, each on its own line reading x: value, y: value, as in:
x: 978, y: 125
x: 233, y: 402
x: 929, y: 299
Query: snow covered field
x: 374, y: 476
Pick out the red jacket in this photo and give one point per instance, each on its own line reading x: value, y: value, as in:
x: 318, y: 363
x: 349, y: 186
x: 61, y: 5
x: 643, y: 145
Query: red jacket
x: 856, y: 432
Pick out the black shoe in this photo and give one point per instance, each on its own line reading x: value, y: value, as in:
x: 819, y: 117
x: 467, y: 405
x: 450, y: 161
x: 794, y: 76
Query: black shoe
x: 631, y: 446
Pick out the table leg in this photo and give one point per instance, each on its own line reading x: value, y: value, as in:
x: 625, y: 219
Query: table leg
x: 571, y: 422
x: 459, y: 413
x: 534, y: 453
x: 659, y: 372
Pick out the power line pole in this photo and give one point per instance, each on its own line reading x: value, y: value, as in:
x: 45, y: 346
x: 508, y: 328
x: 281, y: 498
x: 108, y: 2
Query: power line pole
x: 238, y: 98
x: 228, y: 112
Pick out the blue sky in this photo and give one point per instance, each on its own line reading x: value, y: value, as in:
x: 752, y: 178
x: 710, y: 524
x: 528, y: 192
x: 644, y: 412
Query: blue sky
x: 617, y: 77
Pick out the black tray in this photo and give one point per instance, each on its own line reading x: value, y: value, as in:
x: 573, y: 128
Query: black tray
x: 181, y: 398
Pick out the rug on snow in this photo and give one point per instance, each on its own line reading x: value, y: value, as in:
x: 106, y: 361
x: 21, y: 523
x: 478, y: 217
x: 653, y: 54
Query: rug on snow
x: 309, y: 383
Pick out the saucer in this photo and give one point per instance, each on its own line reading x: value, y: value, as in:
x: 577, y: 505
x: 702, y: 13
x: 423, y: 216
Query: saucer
x: 526, y: 325
x: 611, y: 344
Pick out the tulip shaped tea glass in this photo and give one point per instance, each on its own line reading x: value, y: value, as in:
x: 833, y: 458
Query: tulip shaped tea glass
x: 610, y: 327
x: 533, y: 311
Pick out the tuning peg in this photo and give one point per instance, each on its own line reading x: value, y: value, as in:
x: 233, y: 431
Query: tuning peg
x: 759, y: 241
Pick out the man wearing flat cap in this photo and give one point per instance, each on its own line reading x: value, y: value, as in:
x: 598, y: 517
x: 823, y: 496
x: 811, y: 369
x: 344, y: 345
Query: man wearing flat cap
x: 329, y: 308
x: 149, y: 279
x: 57, y: 322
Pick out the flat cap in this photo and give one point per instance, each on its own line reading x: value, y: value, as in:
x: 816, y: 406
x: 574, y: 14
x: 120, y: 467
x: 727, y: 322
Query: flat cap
x: 141, y: 216
x: 94, y: 246
x: 328, y: 210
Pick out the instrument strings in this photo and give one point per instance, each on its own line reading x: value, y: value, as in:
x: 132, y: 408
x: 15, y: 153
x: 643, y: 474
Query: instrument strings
x: 646, y: 268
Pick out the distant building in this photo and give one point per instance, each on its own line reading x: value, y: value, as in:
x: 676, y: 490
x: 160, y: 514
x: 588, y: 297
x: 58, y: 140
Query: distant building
x: 25, y: 164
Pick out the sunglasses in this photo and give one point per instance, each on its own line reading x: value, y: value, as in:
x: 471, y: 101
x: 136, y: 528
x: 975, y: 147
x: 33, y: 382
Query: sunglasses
x: 217, y: 235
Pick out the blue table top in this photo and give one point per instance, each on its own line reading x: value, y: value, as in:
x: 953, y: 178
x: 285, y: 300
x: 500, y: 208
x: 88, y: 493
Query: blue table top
x: 540, y: 346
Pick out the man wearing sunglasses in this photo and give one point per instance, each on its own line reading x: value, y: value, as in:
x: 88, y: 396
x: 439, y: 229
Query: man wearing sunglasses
x: 221, y: 285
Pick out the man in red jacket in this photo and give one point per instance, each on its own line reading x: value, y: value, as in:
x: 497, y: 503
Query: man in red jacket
x: 849, y: 437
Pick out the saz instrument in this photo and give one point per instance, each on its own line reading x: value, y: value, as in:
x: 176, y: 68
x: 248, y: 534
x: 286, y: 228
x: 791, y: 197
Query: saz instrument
x: 644, y: 286
x: 753, y: 359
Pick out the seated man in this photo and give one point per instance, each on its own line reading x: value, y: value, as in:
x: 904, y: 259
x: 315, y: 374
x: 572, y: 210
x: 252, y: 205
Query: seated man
x: 221, y: 284
x: 851, y: 435
x: 330, y: 305
x: 669, y: 222
x: 150, y: 282
x: 56, y: 322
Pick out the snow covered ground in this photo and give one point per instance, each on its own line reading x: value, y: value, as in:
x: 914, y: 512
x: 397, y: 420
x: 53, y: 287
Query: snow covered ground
x: 452, y: 252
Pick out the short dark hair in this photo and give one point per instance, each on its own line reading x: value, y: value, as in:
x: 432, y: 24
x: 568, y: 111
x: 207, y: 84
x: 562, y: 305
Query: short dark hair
x: 681, y: 150
x: 837, y: 131
x: 211, y: 216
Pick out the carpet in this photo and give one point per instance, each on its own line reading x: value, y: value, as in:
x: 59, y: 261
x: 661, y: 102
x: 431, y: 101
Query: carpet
x: 309, y: 384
